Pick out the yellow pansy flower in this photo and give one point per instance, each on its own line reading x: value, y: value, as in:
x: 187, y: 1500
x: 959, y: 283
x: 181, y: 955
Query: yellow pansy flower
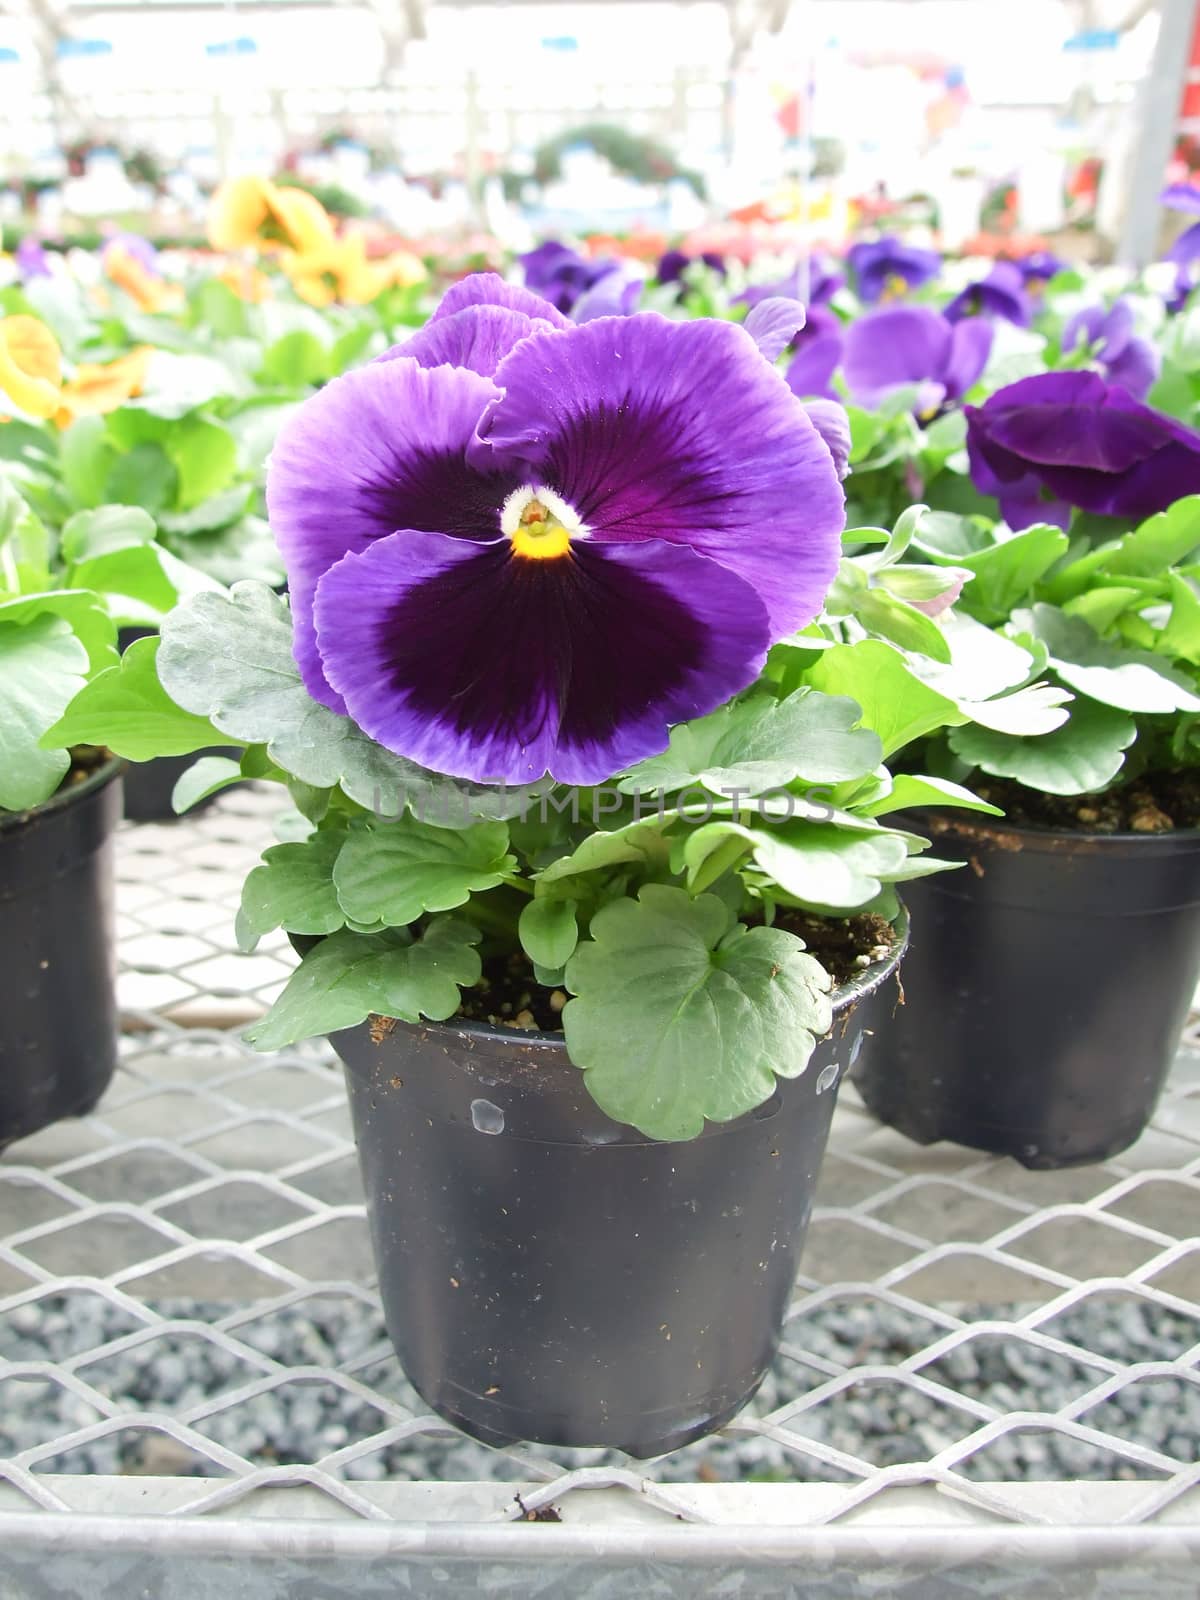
x: 31, y: 374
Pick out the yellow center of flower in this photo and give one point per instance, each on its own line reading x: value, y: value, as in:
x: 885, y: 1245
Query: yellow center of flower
x: 540, y: 525
x: 895, y: 288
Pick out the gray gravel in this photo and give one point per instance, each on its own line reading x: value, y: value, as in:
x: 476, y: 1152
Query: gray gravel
x: 881, y: 1421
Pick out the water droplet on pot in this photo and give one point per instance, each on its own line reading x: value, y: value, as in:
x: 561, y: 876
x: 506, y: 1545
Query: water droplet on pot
x: 486, y: 1118
x: 855, y: 1048
x: 829, y: 1076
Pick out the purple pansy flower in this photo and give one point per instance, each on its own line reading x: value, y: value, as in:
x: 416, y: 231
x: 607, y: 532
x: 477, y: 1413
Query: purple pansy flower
x: 823, y: 284
x: 516, y: 546
x: 672, y: 264
x: 31, y: 259
x: 616, y: 294
x: 133, y: 244
x: 1038, y: 267
x: 1185, y: 252
x: 887, y: 268
x: 1000, y: 294
x: 901, y: 345
x: 818, y: 346
x: 1063, y: 439
x: 560, y: 274
x: 1128, y: 360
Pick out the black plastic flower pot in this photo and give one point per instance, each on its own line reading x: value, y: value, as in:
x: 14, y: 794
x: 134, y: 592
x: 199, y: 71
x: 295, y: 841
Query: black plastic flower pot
x: 58, y: 1022
x: 548, y: 1274
x: 149, y: 785
x: 1045, y: 990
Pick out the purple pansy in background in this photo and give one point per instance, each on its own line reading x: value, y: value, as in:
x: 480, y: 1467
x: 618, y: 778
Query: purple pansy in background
x: 31, y: 259
x: 898, y: 346
x: 672, y: 264
x: 818, y: 347
x: 560, y: 274
x: 1038, y: 267
x: 886, y: 268
x: 132, y: 244
x: 1131, y: 361
x: 1185, y: 252
x: 823, y: 283
x: 1001, y: 294
x: 1064, y: 439
x: 517, y: 546
x: 616, y: 294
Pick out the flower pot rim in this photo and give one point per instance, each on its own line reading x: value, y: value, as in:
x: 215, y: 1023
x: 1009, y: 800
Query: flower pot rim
x: 988, y: 829
x: 844, y: 996
x: 62, y: 798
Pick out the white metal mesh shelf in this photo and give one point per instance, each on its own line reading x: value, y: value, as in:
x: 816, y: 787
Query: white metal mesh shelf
x: 988, y: 1374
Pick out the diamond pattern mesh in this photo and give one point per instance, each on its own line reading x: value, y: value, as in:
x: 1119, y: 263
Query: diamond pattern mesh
x: 959, y: 1322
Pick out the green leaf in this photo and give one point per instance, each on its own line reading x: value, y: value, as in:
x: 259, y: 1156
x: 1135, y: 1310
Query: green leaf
x: 297, y: 361
x: 207, y: 776
x: 951, y: 538
x: 205, y: 455
x: 24, y: 542
x: 682, y: 1014
x: 293, y: 889
x: 1080, y: 757
x: 178, y: 384
x: 216, y: 305
x: 392, y: 871
x: 42, y: 665
x: 761, y: 743
x: 1005, y: 573
x: 82, y: 610
x: 1162, y: 541
x: 548, y: 931
x: 87, y: 457
x: 1100, y: 607
x: 640, y: 842
x: 218, y: 511
x: 1129, y: 680
x: 895, y: 704
x: 886, y: 614
x: 351, y: 976
x: 133, y: 582
x: 1181, y: 636
x: 820, y: 864
x: 145, y: 477
x: 908, y: 791
x: 127, y: 709
x: 96, y: 533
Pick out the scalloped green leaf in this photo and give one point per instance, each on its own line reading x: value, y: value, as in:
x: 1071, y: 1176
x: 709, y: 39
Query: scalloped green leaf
x: 393, y: 871
x: 351, y: 976
x: 1080, y: 757
x: 682, y: 1015
x: 127, y: 709
x: 292, y: 889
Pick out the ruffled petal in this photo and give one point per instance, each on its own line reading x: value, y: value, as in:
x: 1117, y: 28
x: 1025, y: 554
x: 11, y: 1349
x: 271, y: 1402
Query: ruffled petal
x: 895, y: 346
x: 383, y: 447
x: 478, y: 338
x: 831, y: 421
x: 486, y: 665
x: 678, y: 431
x: 1136, y: 368
x: 490, y: 289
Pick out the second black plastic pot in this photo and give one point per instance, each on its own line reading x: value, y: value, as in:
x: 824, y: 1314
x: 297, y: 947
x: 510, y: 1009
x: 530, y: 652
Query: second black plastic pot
x: 149, y: 785
x: 1045, y: 990
x: 549, y: 1274
x: 58, y: 1025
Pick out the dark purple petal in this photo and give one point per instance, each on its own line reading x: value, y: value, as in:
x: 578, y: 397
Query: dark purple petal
x: 478, y: 338
x: 489, y: 289
x: 491, y: 666
x: 1039, y: 267
x: 1182, y: 197
x: 894, y: 346
x: 1073, y: 438
x: 970, y: 346
x: 773, y: 324
x: 830, y: 420
x: 383, y: 447
x: 671, y: 266
x: 679, y: 431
